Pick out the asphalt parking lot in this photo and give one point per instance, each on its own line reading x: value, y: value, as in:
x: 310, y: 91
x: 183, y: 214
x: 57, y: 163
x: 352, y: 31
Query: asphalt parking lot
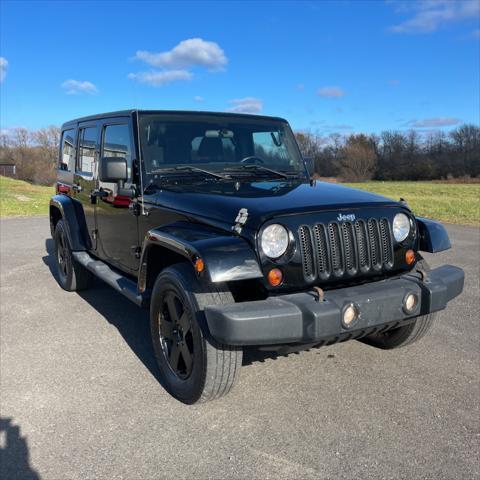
x: 80, y: 398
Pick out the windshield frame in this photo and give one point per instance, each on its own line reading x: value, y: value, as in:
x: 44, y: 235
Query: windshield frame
x: 222, y: 121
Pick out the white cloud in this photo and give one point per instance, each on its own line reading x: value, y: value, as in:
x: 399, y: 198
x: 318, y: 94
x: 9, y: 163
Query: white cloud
x: 331, y: 92
x: 14, y: 131
x: 176, y: 64
x: 300, y: 86
x: 429, y: 15
x: 7, y: 132
x: 198, y: 98
x: 158, y: 79
x: 246, y: 105
x: 3, y: 68
x: 75, y: 87
x: 434, y: 122
x: 188, y: 53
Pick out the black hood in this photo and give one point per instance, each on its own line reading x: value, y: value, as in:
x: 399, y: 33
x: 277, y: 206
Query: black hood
x: 221, y: 201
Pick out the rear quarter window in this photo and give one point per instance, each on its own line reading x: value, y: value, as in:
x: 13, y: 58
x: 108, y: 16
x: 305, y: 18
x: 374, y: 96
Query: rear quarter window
x: 67, y: 150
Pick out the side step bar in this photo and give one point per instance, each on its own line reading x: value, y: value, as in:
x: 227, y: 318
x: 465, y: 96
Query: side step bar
x: 119, y: 282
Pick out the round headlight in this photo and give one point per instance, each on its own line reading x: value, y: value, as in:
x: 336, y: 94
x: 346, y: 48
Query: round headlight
x: 401, y: 227
x: 274, y: 240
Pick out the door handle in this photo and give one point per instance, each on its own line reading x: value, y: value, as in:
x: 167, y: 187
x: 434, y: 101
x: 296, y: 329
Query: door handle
x: 99, y: 193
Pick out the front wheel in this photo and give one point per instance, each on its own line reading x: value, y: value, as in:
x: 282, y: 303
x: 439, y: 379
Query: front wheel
x: 193, y: 368
x: 407, y: 334
x: 402, y: 336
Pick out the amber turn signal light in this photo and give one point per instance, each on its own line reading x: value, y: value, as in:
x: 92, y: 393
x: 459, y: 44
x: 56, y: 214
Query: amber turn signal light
x: 410, y: 257
x: 199, y: 265
x: 275, y: 277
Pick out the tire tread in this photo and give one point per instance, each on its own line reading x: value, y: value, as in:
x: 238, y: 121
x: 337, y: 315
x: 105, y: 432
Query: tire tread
x: 407, y: 334
x: 228, y: 359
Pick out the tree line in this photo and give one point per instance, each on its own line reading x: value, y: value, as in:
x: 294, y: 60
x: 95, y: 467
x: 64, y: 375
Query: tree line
x: 395, y: 155
x: 392, y: 155
x: 35, y: 153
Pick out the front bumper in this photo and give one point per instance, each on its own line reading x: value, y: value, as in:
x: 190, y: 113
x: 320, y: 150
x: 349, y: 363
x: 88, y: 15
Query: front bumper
x: 302, y: 318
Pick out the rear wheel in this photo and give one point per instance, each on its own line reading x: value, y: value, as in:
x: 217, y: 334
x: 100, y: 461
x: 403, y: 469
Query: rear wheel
x: 407, y: 334
x: 70, y: 274
x: 193, y: 368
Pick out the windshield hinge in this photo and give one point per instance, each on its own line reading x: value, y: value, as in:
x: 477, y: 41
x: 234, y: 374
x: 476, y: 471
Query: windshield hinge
x: 240, y: 221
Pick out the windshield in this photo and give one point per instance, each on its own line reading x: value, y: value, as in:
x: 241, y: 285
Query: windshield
x: 217, y: 144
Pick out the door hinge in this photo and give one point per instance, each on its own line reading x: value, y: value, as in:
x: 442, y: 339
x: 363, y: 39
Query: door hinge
x: 136, y: 251
x: 135, y: 208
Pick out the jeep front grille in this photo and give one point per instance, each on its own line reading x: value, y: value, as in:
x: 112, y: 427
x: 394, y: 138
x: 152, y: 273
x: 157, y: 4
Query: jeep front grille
x: 347, y: 249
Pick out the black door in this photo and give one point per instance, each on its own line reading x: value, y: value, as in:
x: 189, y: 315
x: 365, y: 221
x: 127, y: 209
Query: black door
x: 84, y: 181
x: 117, y: 225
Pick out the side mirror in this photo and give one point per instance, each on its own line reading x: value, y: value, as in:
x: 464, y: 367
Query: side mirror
x: 310, y: 165
x: 113, y: 169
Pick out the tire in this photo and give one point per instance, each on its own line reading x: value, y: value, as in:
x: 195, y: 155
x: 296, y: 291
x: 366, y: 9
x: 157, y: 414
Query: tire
x: 407, y: 334
x: 193, y: 368
x: 71, y: 276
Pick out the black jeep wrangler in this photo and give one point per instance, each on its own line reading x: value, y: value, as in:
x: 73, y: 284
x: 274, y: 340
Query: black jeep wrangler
x: 213, y: 221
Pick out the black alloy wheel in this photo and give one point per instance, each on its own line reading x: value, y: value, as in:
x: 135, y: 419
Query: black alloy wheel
x: 176, y: 336
x: 70, y: 274
x: 193, y: 367
x: 64, y: 260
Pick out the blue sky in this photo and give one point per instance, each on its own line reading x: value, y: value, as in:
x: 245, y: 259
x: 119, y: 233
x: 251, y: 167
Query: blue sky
x: 342, y: 66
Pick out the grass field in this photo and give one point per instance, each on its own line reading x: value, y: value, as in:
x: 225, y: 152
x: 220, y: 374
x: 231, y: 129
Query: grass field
x: 22, y: 198
x: 447, y: 202
x: 451, y: 203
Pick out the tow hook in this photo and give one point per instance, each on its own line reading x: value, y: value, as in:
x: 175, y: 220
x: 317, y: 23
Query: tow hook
x: 320, y: 293
x: 423, y: 274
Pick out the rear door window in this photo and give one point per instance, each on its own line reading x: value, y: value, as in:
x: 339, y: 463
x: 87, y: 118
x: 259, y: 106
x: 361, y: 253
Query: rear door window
x: 67, y: 151
x: 87, y: 150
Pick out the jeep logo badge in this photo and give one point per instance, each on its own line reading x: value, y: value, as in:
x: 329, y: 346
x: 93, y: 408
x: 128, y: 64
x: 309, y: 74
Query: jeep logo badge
x: 344, y: 218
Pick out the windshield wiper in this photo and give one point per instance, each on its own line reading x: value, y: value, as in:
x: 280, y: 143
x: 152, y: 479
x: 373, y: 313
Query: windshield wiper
x: 260, y: 167
x: 188, y: 168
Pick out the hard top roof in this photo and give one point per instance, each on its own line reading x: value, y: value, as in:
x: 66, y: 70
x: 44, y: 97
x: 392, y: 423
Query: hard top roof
x: 126, y: 113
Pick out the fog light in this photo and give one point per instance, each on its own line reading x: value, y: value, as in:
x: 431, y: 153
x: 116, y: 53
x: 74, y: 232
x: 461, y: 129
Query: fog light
x: 275, y: 277
x: 350, y: 314
x: 410, y: 303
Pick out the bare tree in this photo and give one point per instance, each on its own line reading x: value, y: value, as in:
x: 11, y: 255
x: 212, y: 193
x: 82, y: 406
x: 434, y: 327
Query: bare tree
x: 33, y: 153
x: 466, y: 141
x: 357, y: 160
x: 311, y: 146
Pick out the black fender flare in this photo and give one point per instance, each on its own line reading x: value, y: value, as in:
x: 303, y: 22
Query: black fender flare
x: 226, y: 257
x: 71, y: 212
x: 433, y: 236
